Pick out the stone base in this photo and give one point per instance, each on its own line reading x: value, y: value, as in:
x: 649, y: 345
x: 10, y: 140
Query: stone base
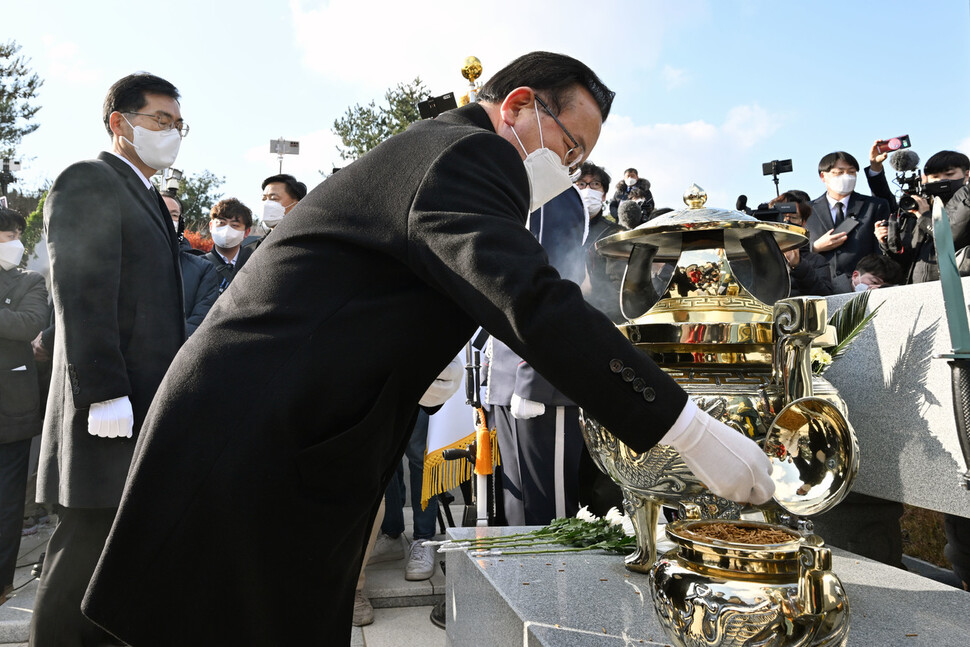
x: 592, y: 600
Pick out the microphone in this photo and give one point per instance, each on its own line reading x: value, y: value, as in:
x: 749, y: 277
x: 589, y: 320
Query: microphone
x: 904, y: 161
x: 742, y: 204
x: 629, y: 214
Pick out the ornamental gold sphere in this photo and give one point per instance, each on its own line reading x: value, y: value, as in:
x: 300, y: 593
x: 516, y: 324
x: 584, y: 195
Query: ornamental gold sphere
x: 472, y: 68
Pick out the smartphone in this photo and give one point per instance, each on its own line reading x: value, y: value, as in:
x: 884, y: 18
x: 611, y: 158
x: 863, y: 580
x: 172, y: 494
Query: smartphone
x: 894, y: 144
x: 847, y: 225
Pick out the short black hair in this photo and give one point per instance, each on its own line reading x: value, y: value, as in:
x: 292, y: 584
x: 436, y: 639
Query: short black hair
x: 827, y: 163
x: 598, y: 172
x: 945, y: 160
x: 128, y: 94
x: 232, y: 209
x: 11, y: 220
x: 631, y: 170
x: 797, y: 195
x: 556, y: 74
x: 296, y: 189
x: 882, y: 266
x: 170, y: 194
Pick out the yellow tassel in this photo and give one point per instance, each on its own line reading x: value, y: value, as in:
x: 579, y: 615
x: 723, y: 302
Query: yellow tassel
x: 483, y: 447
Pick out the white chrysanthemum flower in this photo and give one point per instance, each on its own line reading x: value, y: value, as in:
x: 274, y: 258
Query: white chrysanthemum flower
x: 821, y: 356
x: 586, y: 515
x: 617, y: 518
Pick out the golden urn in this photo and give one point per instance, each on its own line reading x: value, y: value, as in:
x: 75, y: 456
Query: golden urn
x: 705, y: 294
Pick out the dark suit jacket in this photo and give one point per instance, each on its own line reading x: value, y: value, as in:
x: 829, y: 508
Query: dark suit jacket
x: 200, y: 288
x: 228, y: 271
x: 380, y: 276
x: 861, y: 240
x: 118, y: 313
x: 24, y: 311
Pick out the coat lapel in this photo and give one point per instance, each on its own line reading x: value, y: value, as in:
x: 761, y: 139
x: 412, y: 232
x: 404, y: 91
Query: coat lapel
x: 149, y: 198
x: 823, y: 213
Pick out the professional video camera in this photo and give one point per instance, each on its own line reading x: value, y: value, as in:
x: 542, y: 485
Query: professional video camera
x: 909, y: 181
x: 906, y: 164
x: 775, y: 213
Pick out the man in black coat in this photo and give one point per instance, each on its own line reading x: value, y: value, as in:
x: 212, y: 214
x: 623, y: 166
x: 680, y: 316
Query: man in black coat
x: 841, y: 206
x: 200, y: 280
x: 24, y: 312
x: 118, y: 312
x: 383, y: 272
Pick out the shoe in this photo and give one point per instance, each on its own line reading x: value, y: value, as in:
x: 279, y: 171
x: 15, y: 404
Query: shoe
x: 387, y: 549
x: 421, y: 562
x: 38, y: 568
x: 363, y: 611
x: 438, y: 614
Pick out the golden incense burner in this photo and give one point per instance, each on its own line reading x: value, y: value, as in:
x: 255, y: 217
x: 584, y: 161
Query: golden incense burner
x: 705, y: 295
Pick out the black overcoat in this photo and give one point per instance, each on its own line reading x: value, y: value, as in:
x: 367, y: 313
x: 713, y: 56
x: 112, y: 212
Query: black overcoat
x: 24, y: 312
x: 118, y: 313
x: 279, y: 424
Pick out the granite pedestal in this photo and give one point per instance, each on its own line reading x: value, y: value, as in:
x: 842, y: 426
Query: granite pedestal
x: 591, y: 600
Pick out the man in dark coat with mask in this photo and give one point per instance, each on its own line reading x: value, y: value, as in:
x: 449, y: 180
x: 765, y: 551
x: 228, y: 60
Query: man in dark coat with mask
x: 376, y: 291
x: 118, y: 311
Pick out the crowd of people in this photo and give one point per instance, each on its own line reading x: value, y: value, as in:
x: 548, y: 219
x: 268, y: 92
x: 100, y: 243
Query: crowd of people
x: 162, y: 457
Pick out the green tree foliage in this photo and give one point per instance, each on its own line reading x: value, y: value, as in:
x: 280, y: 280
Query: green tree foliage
x: 364, y: 127
x: 18, y: 87
x: 35, y: 228
x: 198, y: 193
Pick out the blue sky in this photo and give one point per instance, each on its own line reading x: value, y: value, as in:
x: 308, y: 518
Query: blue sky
x: 706, y: 91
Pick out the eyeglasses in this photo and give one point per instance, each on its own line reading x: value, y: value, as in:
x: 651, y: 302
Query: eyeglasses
x: 595, y: 184
x: 575, y: 154
x: 165, y: 122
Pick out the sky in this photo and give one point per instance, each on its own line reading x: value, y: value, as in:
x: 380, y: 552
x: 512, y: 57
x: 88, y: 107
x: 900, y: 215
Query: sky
x: 706, y: 91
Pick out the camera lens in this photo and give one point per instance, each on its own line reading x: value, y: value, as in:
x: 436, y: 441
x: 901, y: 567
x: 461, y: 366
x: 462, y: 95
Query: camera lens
x: 907, y: 203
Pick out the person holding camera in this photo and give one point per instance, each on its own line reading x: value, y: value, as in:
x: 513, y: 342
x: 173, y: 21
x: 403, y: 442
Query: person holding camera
x: 910, y: 242
x: 808, y: 272
x: 842, y: 225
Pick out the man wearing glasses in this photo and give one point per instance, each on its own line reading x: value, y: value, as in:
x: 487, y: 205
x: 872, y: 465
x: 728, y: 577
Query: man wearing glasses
x: 381, y: 275
x: 602, y: 288
x: 118, y: 314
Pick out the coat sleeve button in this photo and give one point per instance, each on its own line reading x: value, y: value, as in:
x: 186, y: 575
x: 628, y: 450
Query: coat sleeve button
x: 649, y: 394
x: 628, y: 374
x: 616, y: 365
x: 639, y: 385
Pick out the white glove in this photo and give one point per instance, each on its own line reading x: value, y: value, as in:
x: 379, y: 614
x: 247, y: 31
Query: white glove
x: 730, y: 464
x: 444, y: 385
x: 525, y: 409
x: 111, y: 418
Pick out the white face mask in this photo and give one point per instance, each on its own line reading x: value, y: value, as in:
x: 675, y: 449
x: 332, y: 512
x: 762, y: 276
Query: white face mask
x: 630, y: 181
x: 273, y: 213
x: 11, y: 253
x: 842, y: 184
x: 593, y: 200
x: 226, y: 237
x: 862, y: 287
x: 548, y: 177
x: 156, y: 148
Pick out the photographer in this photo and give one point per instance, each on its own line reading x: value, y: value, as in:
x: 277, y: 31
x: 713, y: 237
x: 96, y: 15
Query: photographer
x: 908, y: 238
x: 809, y: 272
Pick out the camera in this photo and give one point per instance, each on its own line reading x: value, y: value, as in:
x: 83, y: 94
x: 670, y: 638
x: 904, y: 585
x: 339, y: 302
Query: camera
x: 434, y: 106
x: 776, y: 213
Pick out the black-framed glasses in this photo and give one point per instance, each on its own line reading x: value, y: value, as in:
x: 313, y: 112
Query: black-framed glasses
x: 165, y: 122
x: 595, y: 184
x: 575, y: 154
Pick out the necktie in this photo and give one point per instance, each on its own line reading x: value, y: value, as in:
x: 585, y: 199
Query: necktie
x: 839, y: 213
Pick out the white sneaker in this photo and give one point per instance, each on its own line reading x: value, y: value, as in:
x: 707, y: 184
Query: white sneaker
x: 387, y: 549
x: 421, y: 562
